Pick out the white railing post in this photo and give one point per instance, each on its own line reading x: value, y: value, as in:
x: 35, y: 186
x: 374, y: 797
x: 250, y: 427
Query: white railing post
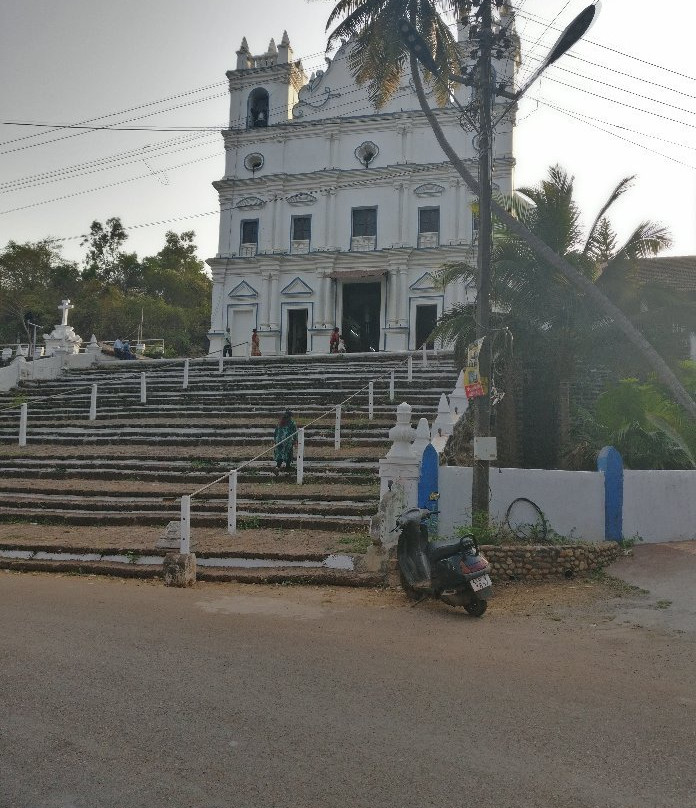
x: 391, y: 386
x: 143, y: 389
x: 300, y: 455
x: 425, y: 355
x: 409, y: 376
x: 185, y: 525
x: 371, y: 400
x: 337, y: 428
x: 221, y: 362
x: 93, y: 404
x: 23, y: 425
x: 186, y: 372
x: 248, y: 350
x: 232, y: 503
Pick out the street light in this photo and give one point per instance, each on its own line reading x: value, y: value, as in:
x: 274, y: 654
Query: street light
x: 487, y: 91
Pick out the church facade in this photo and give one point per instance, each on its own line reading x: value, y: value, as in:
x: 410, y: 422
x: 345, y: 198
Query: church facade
x: 335, y: 214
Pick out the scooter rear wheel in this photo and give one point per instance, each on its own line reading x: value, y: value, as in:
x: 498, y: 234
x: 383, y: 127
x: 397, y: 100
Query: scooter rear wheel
x: 476, y: 608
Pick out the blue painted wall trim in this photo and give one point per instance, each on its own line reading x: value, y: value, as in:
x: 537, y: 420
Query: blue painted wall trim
x: 609, y: 462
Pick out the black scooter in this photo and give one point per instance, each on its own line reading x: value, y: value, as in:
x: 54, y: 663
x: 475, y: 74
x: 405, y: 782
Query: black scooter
x: 454, y: 571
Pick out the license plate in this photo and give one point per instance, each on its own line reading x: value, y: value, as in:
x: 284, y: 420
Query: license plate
x: 477, y: 584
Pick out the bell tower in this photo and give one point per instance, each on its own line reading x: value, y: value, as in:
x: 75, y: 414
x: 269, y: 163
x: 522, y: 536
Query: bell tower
x: 264, y: 88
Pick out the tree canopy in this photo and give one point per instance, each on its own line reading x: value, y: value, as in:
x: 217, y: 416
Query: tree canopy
x: 112, y: 289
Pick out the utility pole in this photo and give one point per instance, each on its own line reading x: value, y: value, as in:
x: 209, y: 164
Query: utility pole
x: 482, y: 404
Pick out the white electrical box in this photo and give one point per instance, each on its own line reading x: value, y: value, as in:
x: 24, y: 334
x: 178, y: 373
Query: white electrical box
x: 485, y: 449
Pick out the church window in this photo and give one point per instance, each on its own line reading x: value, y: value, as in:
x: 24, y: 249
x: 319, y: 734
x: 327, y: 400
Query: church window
x: 429, y: 220
x: 364, y: 222
x: 301, y: 228
x: 250, y: 237
x: 428, y: 227
x: 258, y: 108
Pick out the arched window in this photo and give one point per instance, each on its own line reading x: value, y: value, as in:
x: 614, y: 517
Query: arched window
x: 257, y: 109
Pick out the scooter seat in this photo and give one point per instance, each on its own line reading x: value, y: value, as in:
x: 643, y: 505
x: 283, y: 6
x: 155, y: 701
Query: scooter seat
x: 444, y: 549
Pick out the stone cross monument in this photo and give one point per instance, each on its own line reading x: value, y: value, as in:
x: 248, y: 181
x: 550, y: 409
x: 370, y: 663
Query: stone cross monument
x: 63, y: 339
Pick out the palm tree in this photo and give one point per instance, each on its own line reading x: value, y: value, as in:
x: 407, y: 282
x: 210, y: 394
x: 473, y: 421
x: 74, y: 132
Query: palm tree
x: 378, y: 58
x: 552, y: 328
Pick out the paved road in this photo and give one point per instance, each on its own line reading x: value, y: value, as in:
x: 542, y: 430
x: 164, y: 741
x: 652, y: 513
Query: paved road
x: 124, y: 695
x: 668, y: 572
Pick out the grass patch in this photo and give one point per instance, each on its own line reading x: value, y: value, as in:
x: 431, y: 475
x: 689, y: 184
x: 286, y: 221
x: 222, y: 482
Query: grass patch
x: 356, y: 542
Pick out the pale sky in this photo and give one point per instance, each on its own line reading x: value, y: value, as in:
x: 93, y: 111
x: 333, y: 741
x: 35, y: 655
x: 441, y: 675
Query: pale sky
x: 157, y: 63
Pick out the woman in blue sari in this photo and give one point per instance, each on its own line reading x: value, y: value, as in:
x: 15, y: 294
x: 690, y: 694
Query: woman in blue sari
x: 285, y: 437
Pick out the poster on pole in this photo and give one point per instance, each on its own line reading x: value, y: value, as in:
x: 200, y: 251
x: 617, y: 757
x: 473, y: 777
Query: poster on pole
x: 474, y: 385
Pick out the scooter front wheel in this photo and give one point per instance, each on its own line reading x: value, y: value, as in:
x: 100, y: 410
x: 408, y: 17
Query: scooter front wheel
x: 476, y: 608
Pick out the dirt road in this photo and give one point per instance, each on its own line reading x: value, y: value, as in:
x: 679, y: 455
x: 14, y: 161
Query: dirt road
x: 119, y: 694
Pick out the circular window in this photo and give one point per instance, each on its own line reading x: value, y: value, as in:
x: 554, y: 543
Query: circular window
x: 253, y: 162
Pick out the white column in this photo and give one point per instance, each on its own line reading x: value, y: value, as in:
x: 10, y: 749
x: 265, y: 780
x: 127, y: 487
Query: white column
x: 185, y: 525
x: 371, y: 400
x: 456, y: 226
x: 232, y: 503
x: 393, y: 297
x: 23, y: 425
x: 337, y: 428
x: 391, y: 386
x: 403, y: 313
x: 93, y: 404
x: 399, y: 187
x: 274, y: 223
x: 186, y: 373
x: 265, y: 300
x: 409, y: 375
x: 320, y: 316
x: 331, y: 213
x: 143, y: 389
x: 221, y: 362
x: 300, y: 455
x: 274, y: 319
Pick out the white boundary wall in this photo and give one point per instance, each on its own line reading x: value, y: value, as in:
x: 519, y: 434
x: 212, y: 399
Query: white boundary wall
x: 659, y: 505
x: 572, y: 501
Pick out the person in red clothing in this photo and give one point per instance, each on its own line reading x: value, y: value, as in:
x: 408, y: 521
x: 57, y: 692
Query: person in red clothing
x: 333, y: 341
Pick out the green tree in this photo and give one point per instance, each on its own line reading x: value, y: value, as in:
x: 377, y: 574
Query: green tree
x: 33, y: 277
x: 554, y: 329
x: 105, y: 260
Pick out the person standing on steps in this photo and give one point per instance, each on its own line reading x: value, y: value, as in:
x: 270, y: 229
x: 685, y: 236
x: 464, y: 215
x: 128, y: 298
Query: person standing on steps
x: 255, y: 343
x: 285, y: 438
x: 227, y: 347
x: 333, y: 341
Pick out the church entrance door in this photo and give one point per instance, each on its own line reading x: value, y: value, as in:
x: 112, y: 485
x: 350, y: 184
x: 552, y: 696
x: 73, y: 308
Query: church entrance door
x: 361, y: 309
x: 297, y: 331
x: 426, y: 319
x: 242, y: 321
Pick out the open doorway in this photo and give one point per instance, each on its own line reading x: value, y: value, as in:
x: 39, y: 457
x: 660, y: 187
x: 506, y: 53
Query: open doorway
x: 297, y: 331
x: 426, y: 319
x: 361, y: 310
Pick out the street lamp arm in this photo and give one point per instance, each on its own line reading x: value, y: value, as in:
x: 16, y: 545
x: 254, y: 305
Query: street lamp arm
x: 577, y: 279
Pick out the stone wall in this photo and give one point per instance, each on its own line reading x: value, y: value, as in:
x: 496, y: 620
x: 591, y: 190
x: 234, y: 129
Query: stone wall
x: 533, y: 563
x: 539, y: 562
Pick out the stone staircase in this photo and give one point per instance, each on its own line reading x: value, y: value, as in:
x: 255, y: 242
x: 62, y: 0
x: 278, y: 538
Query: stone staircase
x: 131, y: 465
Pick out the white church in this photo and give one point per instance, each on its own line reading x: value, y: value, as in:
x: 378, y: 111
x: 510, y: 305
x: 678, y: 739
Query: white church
x: 335, y: 214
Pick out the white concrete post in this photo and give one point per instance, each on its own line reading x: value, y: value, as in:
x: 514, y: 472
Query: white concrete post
x: 425, y: 356
x: 93, y: 404
x: 221, y: 362
x: 185, y: 540
x: 248, y: 349
x: 23, y: 425
x: 232, y: 503
x: 186, y: 372
x: 300, y: 455
x: 410, y: 369
x: 391, y: 386
x: 143, y: 389
x: 337, y: 428
x: 422, y: 438
x: 371, y: 400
